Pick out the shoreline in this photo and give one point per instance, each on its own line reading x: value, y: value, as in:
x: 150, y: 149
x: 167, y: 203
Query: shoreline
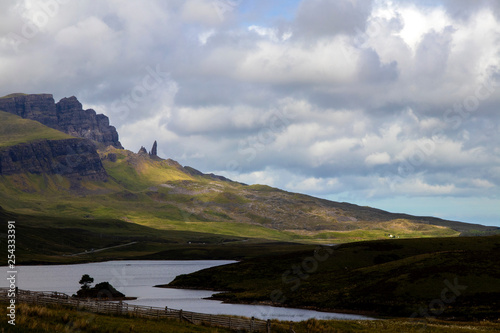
x: 368, y: 314
x: 217, y: 296
x: 51, y: 263
x: 116, y: 299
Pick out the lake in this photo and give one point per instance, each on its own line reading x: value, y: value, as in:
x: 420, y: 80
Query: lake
x: 137, y: 278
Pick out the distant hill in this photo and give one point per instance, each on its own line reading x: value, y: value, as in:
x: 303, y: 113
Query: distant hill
x: 46, y: 172
x: 448, y: 278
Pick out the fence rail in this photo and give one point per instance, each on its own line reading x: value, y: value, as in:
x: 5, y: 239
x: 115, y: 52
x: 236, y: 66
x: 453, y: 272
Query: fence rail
x: 122, y: 308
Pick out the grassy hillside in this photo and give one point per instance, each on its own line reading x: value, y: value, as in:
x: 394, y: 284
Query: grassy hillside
x: 15, y: 130
x: 33, y: 319
x: 389, y: 277
x: 42, y: 239
x: 56, y: 319
x: 137, y: 173
x: 197, y: 205
x: 162, y: 194
x: 13, y: 95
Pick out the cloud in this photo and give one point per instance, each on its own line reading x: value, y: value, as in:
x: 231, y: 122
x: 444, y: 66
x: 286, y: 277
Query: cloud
x: 317, y: 18
x: 463, y: 9
x: 205, y: 12
x: 433, y: 52
x: 378, y: 158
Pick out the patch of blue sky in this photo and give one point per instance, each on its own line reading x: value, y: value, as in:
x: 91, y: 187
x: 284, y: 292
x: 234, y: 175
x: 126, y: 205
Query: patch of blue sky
x: 420, y: 3
x: 481, y: 210
x: 264, y: 13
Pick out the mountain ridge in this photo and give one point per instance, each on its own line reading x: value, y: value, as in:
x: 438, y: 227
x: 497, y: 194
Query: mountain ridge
x: 111, y: 182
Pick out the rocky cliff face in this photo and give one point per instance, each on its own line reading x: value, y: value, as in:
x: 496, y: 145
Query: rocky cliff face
x: 74, y: 158
x: 40, y: 107
x: 67, y: 116
x: 76, y: 121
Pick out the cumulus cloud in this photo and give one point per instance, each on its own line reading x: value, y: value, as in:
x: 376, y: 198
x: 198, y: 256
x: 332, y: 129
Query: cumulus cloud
x: 316, y: 18
x: 358, y: 100
x: 378, y: 158
x: 463, y: 9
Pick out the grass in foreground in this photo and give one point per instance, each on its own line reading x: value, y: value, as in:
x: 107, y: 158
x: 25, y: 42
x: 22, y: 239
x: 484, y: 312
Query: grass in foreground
x: 386, y: 326
x: 31, y: 318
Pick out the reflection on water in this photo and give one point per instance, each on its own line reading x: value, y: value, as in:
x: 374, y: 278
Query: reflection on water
x: 137, y: 278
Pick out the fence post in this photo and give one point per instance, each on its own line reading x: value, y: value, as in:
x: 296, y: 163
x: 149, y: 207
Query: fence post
x: 252, y: 324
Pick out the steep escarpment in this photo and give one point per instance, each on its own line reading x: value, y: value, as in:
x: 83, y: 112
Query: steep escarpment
x: 39, y: 107
x: 67, y: 116
x: 73, y: 158
x: 76, y: 121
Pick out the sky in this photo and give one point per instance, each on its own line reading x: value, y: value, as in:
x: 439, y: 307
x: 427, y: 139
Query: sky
x: 389, y: 104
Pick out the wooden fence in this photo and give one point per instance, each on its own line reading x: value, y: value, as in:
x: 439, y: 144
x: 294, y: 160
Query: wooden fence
x: 122, y: 308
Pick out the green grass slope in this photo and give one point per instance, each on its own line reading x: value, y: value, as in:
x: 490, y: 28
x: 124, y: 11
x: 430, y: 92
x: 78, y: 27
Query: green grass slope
x: 48, y: 239
x: 438, y: 277
x: 137, y: 173
x: 15, y: 130
x: 34, y: 318
x: 164, y: 195
x: 161, y: 195
x: 13, y: 95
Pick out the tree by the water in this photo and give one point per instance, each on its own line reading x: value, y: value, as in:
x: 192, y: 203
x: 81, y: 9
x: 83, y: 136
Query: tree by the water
x: 86, y: 281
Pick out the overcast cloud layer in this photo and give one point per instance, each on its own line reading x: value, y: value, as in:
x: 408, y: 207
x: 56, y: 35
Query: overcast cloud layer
x: 392, y: 104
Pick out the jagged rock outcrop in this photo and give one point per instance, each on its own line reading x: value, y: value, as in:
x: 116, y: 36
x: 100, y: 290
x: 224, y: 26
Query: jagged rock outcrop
x: 76, y: 121
x: 73, y: 158
x: 154, y: 150
x: 142, y: 151
x: 67, y: 116
x: 39, y: 107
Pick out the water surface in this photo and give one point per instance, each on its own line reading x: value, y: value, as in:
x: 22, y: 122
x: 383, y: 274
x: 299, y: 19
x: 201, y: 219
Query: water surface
x: 137, y: 278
